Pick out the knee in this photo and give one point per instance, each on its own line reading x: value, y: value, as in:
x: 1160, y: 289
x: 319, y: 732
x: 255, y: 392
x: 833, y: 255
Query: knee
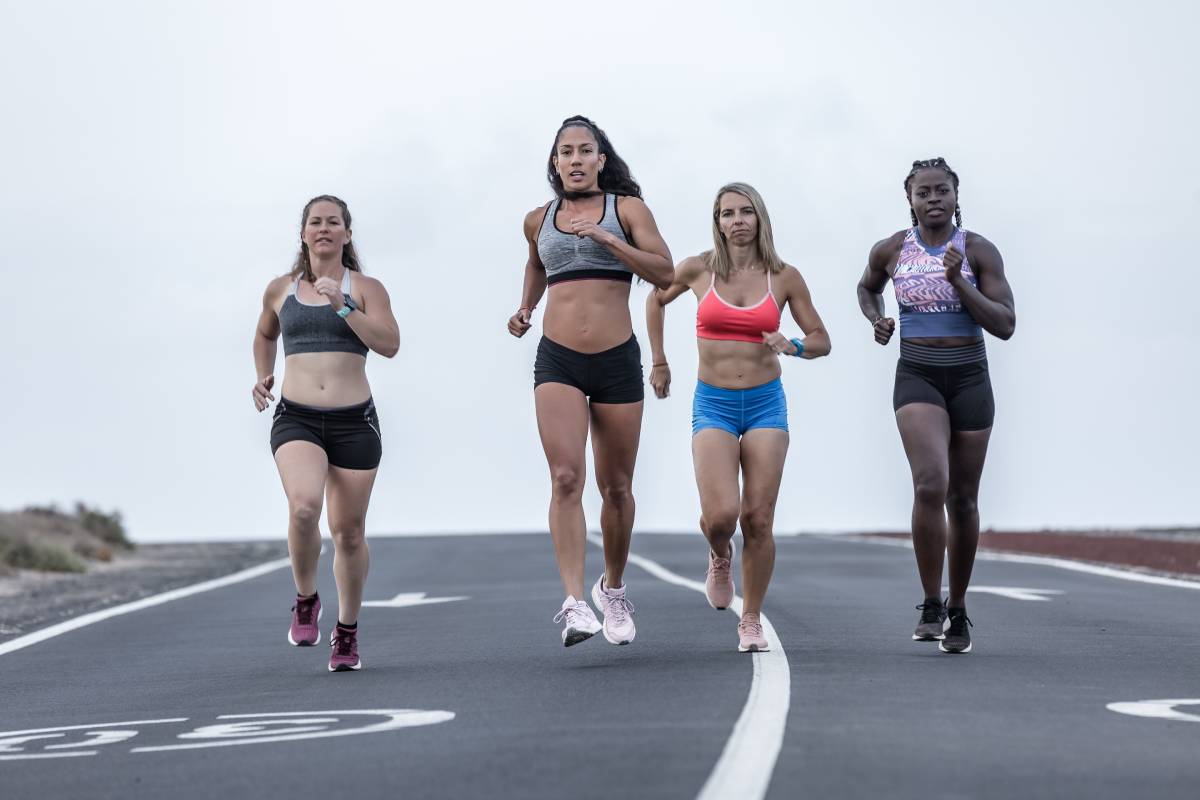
x: 348, y: 535
x: 757, y: 522
x: 566, y: 482
x: 721, y: 521
x: 960, y: 503
x: 619, y: 494
x: 930, y: 488
x: 305, y: 512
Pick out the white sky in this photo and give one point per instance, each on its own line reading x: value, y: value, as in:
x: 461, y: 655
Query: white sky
x: 157, y: 156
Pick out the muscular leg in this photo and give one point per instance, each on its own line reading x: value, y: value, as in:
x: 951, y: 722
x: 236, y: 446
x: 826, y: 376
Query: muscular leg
x: 562, y: 415
x: 616, y: 430
x: 925, y: 431
x: 303, y: 468
x: 717, y: 457
x: 968, y: 449
x: 348, y: 492
x: 763, y: 454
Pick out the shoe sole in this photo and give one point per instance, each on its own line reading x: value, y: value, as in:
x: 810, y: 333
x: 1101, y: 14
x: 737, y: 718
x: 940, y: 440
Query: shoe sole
x: 754, y: 649
x: 294, y: 643
x: 345, y: 667
x: 937, y: 638
x: 575, y: 636
x: 714, y: 605
x: 965, y: 650
x: 617, y: 642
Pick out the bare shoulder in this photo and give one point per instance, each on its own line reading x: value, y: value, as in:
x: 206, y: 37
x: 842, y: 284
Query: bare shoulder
x: 368, y: 284
x: 533, y: 220
x: 791, y: 279
x: 978, y: 245
x: 692, y: 268
x: 885, y: 251
x: 277, y: 288
x: 631, y: 207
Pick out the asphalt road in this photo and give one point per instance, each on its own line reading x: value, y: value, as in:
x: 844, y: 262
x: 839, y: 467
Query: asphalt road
x: 476, y: 697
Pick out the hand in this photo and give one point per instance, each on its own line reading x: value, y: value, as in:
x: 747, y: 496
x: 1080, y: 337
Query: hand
x: 262, y: 392
x: 884, y: 328
x: 331, y: 289
x: 518, y: 323
x: 778, y: 343
x: 952, y: 261
x: 584, y: 228
x: 660, y: 380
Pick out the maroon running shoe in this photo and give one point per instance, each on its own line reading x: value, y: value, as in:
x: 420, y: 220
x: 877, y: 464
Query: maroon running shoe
x: 344, y: 643
x: 305, y: 616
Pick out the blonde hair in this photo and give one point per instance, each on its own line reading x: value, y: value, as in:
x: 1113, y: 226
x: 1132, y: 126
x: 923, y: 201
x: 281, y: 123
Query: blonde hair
x: 719, y: 260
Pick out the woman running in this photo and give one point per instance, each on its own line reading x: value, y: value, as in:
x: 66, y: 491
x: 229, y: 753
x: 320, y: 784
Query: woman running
x: 950, y: 287
x: 585, y: 247
x: 325, y: 436
x: 739, y: 412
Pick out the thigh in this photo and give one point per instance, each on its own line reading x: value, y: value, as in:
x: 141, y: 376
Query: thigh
x: 925, y: 432
x: 348, y: 493
x: 562, y: 417
x: 968, y: 451
x: 303, y: 468
x: 717, y: 456
x: 616, y: 431
x: 763, y: 453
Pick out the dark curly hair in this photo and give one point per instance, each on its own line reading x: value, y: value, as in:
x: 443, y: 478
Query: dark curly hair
x: 615, y: 178
x: 933, y: 163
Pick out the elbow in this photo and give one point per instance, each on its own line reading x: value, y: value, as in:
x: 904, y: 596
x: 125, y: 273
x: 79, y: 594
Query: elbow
x: 664, y: 281
x: 1007, y: 329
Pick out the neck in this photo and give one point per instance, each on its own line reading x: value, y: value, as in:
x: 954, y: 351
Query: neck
x: 743, y: 256
x: 326, y: 267
x: 582, y: 195
x: 938, y: 235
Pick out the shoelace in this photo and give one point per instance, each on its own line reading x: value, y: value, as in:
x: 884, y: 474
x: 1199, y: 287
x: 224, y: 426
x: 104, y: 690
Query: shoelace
x: 719, y: 566
x: 304, y: 611
x: 571, y: 613
x: 931, y: 612
x: 618, y: 608
x: 956, y: 624
x: 343, y: 643
x: 751, y: 628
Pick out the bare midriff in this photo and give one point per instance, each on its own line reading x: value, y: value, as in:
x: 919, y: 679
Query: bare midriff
x: 326, y: 380
x: 737, y: 365
x: 588, y: 316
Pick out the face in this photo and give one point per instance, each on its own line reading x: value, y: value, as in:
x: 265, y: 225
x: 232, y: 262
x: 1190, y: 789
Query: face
x: 931, y: 194
x: 578, y: 159
x: 325, y: 230
x: 736, y: 219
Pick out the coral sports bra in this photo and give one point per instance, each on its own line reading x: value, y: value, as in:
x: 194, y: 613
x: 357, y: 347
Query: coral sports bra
x: 718, y: 319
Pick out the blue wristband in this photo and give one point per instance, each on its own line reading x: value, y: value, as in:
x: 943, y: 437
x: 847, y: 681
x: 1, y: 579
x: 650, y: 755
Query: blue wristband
x: 344, y: 311
x: 799, y: 347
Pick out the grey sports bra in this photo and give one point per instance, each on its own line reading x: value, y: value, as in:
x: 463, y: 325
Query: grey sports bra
x: 316, y: 328
x: 568, y: 257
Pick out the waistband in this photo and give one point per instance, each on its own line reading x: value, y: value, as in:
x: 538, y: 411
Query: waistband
x: 750, y: 391
x: 562, y: 348
x: 942, y: 356
x: 356, y: 410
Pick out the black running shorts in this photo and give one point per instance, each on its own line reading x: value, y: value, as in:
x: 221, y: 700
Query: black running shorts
x: 348, y: 435
x: 964, y: 390
x: 610, y: 376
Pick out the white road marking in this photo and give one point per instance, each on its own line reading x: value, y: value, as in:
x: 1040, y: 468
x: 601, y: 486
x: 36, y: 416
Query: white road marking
x: 22, y: 642
x: 1013, y: 592
x: 256, y: 727
x: 1157, y: 709
x: 1045, y: 561
x: 405, y: 599
x: 11, y: 741
x: 748, y: 760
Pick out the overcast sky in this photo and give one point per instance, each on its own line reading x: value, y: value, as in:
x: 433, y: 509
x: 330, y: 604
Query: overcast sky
x: 157, y: 156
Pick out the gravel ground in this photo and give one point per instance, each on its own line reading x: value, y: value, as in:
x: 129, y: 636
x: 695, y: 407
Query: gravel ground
x: 33, y: 600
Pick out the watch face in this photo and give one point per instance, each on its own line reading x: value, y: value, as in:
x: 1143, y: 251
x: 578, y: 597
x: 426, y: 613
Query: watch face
x: 349, y: 301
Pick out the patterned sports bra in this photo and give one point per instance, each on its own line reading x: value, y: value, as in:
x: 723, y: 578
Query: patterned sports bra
x: 929, y: 305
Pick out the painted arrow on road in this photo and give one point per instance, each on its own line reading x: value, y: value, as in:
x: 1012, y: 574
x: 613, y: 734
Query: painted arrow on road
x: 1012, y: 592
x: 411, y: 599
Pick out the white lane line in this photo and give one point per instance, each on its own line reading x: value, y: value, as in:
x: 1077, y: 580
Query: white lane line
x: 1013, y: 592
x: 1157, y: 709
x: 22, y: 642
x: 748, y: 760
x: 1045, y: 561
x: 405, y: 599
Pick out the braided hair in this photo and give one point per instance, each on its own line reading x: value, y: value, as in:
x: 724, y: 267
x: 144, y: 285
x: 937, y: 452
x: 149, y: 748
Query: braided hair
x: 933, y: 163
x: 302, y: 268
x: 615, y: 178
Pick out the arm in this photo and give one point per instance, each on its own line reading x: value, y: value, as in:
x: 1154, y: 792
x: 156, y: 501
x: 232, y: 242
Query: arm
x: 872, y: 283
x: 266, y: 340
x: 992, y: 303
x: 656, y: 314
x: 373, y: 322
x: 649, y: 258
x: 816, y: 338
x: 535, y: 276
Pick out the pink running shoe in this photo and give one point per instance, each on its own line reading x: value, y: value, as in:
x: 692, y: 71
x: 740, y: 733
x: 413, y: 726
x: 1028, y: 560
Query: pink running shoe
x: 579, y: 620
x: 718, y: 583
x: 750, y: 635
x: 344, y: 643
x: 305, y: 616
x: 617, y: 611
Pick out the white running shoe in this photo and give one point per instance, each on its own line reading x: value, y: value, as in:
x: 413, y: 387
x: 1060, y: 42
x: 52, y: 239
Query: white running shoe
x: 617, y: 611
x: 580, y: 622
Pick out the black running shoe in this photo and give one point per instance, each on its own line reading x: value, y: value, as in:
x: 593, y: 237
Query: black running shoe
x: 933, y: 618
x: 958, y: 638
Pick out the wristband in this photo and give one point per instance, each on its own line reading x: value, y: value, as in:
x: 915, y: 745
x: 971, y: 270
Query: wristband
x: 663, y: 364
x: 344, y: 311
x: 799, y: 347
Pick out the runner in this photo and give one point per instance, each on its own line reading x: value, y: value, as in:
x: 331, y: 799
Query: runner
x: 739, y: 413
x: 585, y: 247
x: 325, y: 435
x: 950, y: 287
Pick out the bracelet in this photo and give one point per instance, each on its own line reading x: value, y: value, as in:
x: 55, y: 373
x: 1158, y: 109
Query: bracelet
x: 663, y: 364
x: 344, y: 311
x: 799, y: 347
